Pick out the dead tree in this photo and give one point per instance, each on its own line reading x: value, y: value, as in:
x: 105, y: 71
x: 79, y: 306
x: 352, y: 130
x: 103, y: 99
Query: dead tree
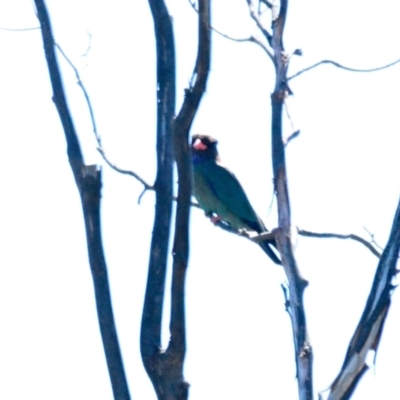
x: 165, y: 366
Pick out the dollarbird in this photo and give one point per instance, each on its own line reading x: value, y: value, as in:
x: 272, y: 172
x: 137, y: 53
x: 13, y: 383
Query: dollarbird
x: 220, y: 194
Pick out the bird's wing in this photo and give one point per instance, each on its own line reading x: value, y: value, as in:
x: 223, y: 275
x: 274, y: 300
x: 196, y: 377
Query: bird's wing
x: 228, y: 189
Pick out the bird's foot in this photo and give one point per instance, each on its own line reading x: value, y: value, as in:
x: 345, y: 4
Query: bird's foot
x: 247, y: 233
x: 215, y: 219
x: 220, y: 222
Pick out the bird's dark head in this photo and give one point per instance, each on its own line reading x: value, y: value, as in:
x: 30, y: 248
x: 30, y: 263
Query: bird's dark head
x: 204, y: 148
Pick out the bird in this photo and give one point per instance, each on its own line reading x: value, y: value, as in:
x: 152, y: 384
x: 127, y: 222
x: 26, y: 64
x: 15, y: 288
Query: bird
x: 220, y: 194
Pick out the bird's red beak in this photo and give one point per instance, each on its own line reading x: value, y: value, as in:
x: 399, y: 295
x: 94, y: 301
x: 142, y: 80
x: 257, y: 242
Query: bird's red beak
x: 199, y: 145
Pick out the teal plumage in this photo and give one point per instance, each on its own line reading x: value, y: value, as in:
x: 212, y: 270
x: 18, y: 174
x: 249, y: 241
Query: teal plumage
x: 220, y: 194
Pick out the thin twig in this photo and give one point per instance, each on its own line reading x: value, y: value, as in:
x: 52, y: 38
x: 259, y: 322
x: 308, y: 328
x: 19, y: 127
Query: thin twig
x: 336, y: 64
x: 285, y: 290
x: 19, y: 29
x: 146, y: 185
x: 193, y: 5
x: 252, y: 38
x: 89, y: 46
x: 292, y: 136
x: 295, y: 132
x: 256, y: 40
x: 373, y: 238
x: 141, y: 195
x: 125, y: 171
x: 288, y: 114
x: 273, y: 7
x: 255, y: 16
x: 271, y: 202
x: 358, y: 239
x: 85, y: 93
x: 267, y: 3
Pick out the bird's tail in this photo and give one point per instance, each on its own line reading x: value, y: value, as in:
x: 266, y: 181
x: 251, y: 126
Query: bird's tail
x: 267, y: 246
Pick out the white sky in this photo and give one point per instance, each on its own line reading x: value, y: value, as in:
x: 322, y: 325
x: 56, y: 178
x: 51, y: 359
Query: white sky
x: 343, y: 171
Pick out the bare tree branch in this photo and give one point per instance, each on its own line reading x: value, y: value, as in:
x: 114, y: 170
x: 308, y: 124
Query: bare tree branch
x: 267, y: 3
x: 336, y: 64
x: 19, y: 29
x: 292, y: 136
x: 373, y: 238
x: 181, y: 128
x: 89, y: 46
x: 224, y: 35
x: 295, y: 132
x: 87, y: 98
x: 193, y: 5
x: 88, y: 181
x: 296, y: 283
x: 153, y: 359
x: 256, y: 40
x: 358, y: 239
x: 166, y: 369
x: 368, y: 333
x: 286, y: 296
x: 262, y: 237
x: 251, y: 39
x: 147, y: 185
x: 256, y: 17
x: 251, y: 235
x: 273, y: 6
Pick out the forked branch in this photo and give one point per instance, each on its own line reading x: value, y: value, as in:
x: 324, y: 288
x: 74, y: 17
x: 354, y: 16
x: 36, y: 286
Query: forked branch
x: 181, y: 128
x: 368, y: 333
x: 154, y: 360
x: 165, y: 369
